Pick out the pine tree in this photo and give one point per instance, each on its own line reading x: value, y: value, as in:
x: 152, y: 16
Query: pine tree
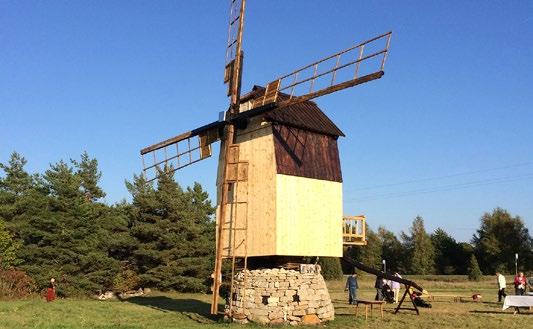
x: 16, y: 180
x: 64, y: 233
x: 474, y: 273
x: 87, y: 171
x: 21, y: 200
x: 419, y: 248
x: 448, y: 253
x: 174, y: 234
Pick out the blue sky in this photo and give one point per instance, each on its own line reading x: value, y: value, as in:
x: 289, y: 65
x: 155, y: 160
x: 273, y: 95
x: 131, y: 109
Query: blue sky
x: 445, y: 134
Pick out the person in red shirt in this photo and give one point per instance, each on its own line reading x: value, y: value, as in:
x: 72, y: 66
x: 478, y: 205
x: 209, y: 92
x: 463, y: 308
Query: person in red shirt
x: 51, y: 291
x: 520, y: 284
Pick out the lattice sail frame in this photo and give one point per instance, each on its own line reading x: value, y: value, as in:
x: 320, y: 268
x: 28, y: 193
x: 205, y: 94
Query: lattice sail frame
x: 329, y: 74
x: 180, y: 151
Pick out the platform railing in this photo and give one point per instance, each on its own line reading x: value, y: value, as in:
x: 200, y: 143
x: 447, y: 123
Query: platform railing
x: 354, y: 230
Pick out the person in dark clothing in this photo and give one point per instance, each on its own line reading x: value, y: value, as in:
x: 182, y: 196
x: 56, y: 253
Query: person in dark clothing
x: 387, y: 293
x: 379, y: 286
x: 352, y: 285
x: 417, y: 299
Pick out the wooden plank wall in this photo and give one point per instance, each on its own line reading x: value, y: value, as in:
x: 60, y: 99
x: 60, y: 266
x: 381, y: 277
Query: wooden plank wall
x: 306, y: 154
x: 257, y: 147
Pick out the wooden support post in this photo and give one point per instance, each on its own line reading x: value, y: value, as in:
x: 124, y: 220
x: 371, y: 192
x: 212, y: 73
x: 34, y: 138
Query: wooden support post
x: 235, y: 93
x: 399, y: 307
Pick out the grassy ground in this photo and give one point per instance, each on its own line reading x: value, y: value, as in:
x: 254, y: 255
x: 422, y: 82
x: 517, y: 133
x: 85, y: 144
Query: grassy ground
x: 192, y: 310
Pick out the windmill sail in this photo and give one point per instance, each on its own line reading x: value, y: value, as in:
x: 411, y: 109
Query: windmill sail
x: 233, y: 67
x: 180, y: 151
x: 359, y: 64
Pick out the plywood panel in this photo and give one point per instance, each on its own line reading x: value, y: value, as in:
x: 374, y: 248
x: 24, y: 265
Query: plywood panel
x: 309, y: 217
x: 256, y: 147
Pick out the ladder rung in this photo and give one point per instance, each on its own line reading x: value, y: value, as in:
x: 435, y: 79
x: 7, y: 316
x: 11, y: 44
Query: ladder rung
x: 225, y: 224
x: 235, y: 229
x: 229, y: 248
x: 236, y: 19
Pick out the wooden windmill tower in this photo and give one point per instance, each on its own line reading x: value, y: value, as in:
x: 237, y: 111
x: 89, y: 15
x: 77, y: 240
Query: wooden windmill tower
x: 279, y: 183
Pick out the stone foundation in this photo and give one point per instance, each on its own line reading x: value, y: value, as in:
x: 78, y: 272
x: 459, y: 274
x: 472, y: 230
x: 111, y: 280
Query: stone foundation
x: 276, y: 296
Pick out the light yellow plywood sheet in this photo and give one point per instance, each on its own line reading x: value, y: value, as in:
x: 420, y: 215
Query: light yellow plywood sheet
x: 308, y: 217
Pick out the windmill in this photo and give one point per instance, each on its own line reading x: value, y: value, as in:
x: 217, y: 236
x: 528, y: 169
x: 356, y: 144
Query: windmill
x: 279, y: 168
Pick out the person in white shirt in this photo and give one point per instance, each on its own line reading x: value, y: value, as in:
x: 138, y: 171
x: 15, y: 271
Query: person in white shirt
x: 501, y: 286
x: 396, y: 288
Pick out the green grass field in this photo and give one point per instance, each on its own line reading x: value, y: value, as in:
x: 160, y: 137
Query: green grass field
x: 173, y: 310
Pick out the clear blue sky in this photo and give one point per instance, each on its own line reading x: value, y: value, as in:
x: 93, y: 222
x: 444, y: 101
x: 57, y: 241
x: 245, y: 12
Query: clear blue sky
x: 446, y: 134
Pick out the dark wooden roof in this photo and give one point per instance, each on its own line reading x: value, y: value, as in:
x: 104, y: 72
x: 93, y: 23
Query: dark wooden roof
x: 306, y: 115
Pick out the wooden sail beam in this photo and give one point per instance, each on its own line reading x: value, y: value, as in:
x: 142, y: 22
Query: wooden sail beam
x: 373, y: 63
x: 331, y: 89
x: 212, y: 127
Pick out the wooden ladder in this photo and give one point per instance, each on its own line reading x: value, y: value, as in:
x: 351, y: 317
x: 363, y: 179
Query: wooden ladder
x: 236, y: 226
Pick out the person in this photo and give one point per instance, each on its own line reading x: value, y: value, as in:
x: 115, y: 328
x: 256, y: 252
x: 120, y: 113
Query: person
x: 379, y: 286
x: 352, y: 285
x: 417, y: 299
x: 51, y: 290
x: 396, y: 287
x: 501, y: 286
x: 386, y: 292
x: 520, y: 284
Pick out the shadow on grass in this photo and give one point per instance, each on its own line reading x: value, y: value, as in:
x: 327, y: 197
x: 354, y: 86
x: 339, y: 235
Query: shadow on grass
x: 501, y: 312
x: 195, y: 309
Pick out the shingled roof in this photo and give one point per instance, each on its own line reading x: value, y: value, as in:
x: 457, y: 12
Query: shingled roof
x: 305, y: 115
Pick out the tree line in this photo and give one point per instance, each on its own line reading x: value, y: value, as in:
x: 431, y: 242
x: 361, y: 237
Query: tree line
x: 56, y: 224
x: 492, y: 248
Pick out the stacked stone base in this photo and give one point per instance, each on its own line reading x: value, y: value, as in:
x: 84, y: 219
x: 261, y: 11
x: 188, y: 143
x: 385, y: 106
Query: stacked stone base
x: 277, y: 296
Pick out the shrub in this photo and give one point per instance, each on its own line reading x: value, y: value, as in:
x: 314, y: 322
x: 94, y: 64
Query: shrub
x: 15, y: 284
x: 126, y: 280
x: 474, y: 273
x: 331, y: 268
x: 8, y: 248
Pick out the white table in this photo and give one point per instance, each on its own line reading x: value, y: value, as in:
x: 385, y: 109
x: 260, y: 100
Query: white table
x: 517, y: 301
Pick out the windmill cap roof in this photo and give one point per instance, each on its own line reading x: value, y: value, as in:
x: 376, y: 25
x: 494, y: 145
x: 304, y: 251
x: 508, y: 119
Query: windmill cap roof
x: 305, y: 115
